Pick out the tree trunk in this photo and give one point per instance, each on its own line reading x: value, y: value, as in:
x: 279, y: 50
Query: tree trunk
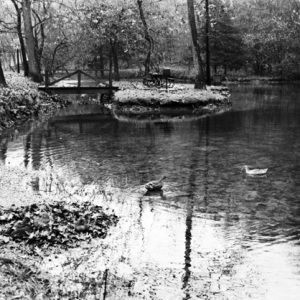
x: 110, y: 67
x: 40, y: 48
x: 115, y: 61
x: 207, y: 25
x: 147, y: 37
x: 199, y: 83
x: 14, y: 58
x: 33, y: 62
x: 2, y: 78
x: 101, y: 61
x: 20, y: 36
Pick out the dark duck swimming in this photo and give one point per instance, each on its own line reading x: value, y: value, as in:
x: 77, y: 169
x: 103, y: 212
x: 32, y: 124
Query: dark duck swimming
x: 155, y: 185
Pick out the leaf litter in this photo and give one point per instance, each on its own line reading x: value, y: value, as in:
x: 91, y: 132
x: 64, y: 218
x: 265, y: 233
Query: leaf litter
x: 31, y: 234
x: 53, y: 224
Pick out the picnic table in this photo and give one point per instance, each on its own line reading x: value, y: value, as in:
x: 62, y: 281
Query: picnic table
x: 159, y: 80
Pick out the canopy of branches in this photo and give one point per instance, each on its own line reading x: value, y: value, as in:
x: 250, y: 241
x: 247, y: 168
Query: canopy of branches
x: 260, y: 36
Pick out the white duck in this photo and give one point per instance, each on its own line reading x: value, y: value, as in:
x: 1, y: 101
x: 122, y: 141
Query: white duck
x: 254, y: 172
x: 155, y: 185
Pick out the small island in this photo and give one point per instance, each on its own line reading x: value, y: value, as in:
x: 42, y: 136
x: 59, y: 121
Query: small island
x: 136, y: 99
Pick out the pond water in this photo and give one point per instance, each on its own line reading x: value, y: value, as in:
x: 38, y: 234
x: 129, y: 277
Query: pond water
x: 215, y: 233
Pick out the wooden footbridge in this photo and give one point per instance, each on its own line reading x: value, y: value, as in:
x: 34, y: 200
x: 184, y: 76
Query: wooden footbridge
x: 78, y: 88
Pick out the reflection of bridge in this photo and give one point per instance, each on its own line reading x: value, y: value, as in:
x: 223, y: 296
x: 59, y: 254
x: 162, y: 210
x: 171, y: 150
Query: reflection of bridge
x: 78, y: 123
x: 99, y: 88
x: 79, y: 118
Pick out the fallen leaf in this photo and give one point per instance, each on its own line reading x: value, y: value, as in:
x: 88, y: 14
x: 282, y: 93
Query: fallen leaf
x: 4, y: 239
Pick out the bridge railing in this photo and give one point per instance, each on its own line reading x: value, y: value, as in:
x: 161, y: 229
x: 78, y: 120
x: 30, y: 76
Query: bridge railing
x: 79, y: 74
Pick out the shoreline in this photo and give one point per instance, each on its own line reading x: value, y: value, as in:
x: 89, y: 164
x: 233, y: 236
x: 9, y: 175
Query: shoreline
x: 21, y: 102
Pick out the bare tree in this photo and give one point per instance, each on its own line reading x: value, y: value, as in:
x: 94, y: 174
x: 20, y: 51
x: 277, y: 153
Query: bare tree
x: 147, y: 37
x: 32, y: 51
x: 207, y: 41
x: 114, y: 52
x: 2, y: 78
x: 20, y: 36
x: 199, y: 80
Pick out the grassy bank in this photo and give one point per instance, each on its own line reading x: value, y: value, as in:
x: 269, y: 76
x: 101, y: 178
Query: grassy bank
x: 21, y: 101
x: 38, y: 224
x: 135, y: 98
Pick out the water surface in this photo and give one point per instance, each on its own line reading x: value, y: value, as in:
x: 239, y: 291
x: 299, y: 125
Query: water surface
x: 215, y: 233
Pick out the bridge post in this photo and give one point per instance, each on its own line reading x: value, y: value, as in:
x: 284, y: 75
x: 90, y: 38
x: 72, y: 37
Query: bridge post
x: 79, y: 80
x: 18, y: 60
